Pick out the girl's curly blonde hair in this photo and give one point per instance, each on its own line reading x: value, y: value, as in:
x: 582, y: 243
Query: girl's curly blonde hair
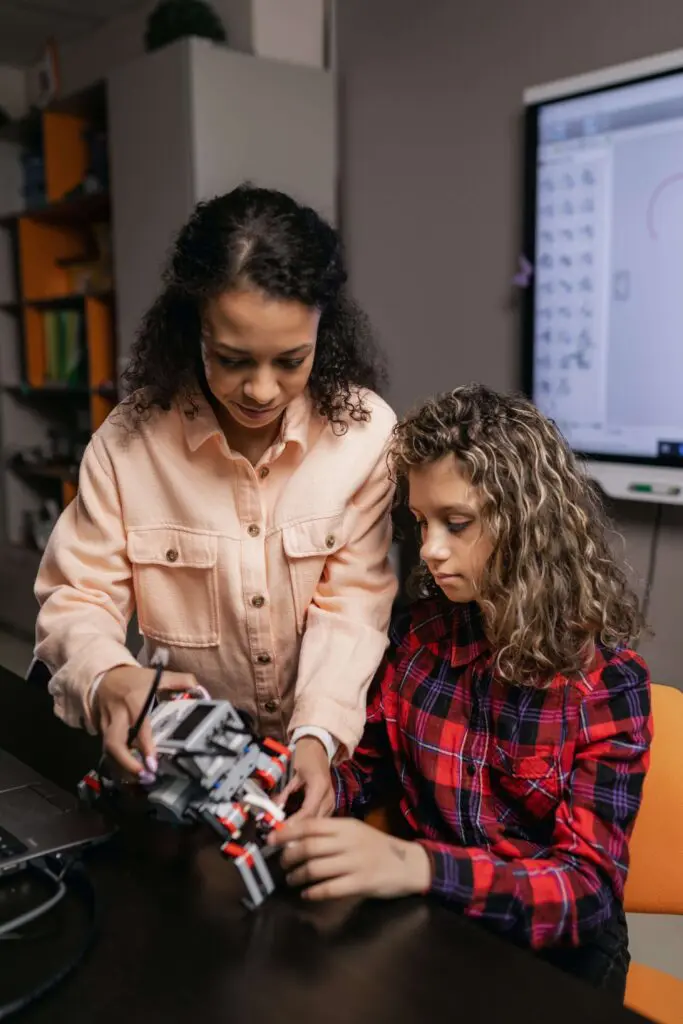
x: 552, y: 587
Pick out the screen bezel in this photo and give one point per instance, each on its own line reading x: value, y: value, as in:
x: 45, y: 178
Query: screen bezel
x: 528, y: 303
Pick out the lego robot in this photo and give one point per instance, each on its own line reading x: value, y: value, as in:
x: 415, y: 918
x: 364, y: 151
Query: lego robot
x: 213, y: 769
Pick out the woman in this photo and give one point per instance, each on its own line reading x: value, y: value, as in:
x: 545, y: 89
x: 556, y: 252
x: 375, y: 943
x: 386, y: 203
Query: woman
x: 238, y: 500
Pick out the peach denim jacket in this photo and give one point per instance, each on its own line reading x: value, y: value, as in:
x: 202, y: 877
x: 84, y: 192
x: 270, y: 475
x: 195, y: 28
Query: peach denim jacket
x: 272, y: 583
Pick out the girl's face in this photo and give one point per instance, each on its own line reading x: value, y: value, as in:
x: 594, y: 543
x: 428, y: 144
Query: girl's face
x: 455, y: 543
x: 257, y: 353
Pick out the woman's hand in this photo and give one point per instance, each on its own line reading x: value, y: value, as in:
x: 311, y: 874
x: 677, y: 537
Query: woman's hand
x: 339, y: 857
x: 119, y: 699
x: 311, y: 774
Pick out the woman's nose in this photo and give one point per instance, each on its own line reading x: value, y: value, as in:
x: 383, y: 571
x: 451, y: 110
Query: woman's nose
x: 262, y: 389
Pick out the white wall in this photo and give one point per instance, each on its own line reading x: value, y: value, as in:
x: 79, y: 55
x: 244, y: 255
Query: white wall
x: 151, y: 175
x: 13, y: 93
x: 268, y: 121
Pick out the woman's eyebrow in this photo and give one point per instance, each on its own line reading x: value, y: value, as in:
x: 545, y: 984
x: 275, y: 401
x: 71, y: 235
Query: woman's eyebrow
x: 233, y: 350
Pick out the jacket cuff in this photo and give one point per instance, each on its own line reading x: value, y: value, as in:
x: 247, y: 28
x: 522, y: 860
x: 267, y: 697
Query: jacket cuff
x: 335, y: 719
x: 328, y: 741
x: 72, y: 685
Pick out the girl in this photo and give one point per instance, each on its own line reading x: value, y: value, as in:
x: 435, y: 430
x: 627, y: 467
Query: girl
x: 509, y: 717
x: 238, y: 500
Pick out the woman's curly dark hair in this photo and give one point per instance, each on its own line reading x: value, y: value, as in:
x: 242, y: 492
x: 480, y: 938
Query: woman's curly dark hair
x: 264, y: 239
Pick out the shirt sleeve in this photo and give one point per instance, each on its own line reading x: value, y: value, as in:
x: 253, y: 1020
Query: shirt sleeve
x: 346, y: 626
x: 368, y: 777
x: 85, y: 591
x: 567, y: 896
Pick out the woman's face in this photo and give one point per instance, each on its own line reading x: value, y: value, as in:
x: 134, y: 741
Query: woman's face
x: 257, y: 353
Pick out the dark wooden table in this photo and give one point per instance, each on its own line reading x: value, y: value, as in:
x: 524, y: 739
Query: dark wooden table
x: 175, y: 944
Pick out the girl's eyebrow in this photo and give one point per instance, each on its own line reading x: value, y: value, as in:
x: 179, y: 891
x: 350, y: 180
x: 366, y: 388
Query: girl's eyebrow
x: 451, y: 510
x: 458, y: 510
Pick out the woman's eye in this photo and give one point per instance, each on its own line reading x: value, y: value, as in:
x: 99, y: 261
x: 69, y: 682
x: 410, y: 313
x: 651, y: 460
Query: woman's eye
x: 291, y: 364
x: 230, y: 364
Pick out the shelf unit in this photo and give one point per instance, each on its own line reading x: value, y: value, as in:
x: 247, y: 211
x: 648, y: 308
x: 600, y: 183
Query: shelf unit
x: 57, y: 310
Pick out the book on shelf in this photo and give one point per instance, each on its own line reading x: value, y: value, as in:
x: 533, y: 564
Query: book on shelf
x: 65, y: 349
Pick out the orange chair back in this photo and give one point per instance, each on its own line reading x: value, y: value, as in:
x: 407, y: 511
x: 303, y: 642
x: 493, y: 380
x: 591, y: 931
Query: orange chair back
x: 655, y: 879
x: 379, y: 819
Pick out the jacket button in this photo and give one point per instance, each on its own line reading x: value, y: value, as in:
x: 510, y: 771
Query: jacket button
x: 253, y: 530
x: 171, y: 555
x: 258, y: 601
x: 263, y: 472
x: 264, y: 658
x: 271, y: 706
x: 329, y: 540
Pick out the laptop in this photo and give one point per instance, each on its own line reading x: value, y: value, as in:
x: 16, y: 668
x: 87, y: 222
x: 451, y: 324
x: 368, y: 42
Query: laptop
x: 38, y: 818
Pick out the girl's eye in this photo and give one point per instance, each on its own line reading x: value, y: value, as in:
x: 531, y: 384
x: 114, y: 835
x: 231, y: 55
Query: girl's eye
x: 291, y: 364
x: 457, y: 527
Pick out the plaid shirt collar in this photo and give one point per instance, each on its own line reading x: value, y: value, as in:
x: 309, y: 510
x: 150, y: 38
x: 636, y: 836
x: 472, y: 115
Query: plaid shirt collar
x: 463, y: 624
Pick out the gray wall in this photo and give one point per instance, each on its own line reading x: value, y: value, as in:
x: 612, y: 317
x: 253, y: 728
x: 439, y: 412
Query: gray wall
x: 431, y: 183
x: 88, y: 58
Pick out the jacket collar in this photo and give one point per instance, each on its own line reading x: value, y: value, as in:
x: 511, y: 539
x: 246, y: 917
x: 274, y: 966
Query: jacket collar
x: 202, y: 425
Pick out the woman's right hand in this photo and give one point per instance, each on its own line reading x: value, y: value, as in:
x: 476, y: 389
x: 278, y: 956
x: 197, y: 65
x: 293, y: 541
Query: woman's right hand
x: 119, y: 699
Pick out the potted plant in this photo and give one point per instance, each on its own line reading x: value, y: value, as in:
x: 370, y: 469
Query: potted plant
x: 178, y: 19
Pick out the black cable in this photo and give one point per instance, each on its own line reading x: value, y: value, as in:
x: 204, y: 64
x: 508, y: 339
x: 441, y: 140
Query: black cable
x: 77, y: 882
x: 8, y: 928
x: 652, y: 561
x: 146, y: 707
x: 134, y: 730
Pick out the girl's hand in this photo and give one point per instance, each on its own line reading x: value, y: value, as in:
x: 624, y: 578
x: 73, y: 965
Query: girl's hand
x: 311, y: 773
x: 118, y: 702
x: 340, y: 857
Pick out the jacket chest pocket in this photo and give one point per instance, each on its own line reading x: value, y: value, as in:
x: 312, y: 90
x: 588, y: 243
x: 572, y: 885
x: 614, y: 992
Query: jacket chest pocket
x: 525, y: 787
x: 307, y: 547
x: 175, y: 577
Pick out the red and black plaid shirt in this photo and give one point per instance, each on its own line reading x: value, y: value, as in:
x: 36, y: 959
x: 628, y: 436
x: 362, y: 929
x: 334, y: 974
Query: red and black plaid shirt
x: 524, y: 798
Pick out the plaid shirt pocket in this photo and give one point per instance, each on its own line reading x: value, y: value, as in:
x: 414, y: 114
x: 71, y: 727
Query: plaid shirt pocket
x: 527, y: 786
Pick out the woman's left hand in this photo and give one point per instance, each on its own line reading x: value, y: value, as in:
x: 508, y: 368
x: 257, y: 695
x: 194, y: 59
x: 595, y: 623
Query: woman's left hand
x: 311, y: 773
x: 339, y: 857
